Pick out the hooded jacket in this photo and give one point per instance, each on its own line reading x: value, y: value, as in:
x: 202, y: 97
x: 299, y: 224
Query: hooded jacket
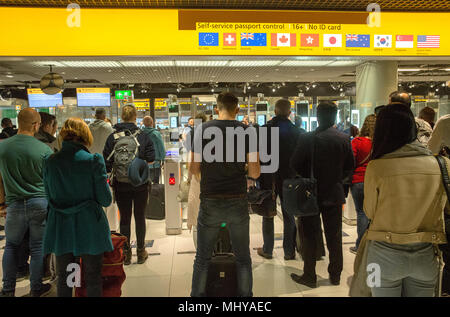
x: 48, y: 139
x: 8, y: 132
x: 158, y: 144
x: 100, y: 130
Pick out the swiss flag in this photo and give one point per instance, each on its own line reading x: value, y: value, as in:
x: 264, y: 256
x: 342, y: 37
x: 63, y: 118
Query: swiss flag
x: 284, y: 39
x: 229, y: 39
x: 310, y: 40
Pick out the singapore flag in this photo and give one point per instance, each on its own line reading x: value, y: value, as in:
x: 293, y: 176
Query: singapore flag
x: 332, y: 40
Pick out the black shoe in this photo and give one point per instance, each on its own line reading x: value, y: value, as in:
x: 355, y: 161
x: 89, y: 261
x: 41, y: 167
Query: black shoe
x: 7, y: 294
x: 353, y: 250
x: 335, y: 280
x: 302, y: 280
x: 289, y: 257
x: 264, y: 255
x: 45, y: 289
x: 128, y: 255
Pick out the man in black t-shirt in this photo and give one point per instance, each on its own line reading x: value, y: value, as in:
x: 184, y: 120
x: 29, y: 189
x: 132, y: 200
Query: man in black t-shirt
x: 221, y: 151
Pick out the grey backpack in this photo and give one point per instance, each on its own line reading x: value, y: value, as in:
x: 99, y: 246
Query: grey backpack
x: 125, y: 150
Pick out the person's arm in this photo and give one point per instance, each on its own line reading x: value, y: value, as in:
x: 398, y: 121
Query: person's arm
x: 160, y: 147
x: 101, y: 187
x: 107, y: 150
x: 254, y: 167
x: 299, y: 158
x: 435, y: 142
x: 349, y: 162
x: 149, y: 149
x: 370, y: 191
x: 2, y: 198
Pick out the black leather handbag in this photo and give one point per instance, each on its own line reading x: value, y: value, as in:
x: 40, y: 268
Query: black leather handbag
x: 263, y: 201
x: 300, y: 193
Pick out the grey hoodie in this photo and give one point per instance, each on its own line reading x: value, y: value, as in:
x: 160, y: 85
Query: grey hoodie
x: 100, y: 130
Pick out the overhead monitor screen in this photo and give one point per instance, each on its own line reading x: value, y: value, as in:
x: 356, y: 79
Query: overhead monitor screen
x: 302, y: 109
x: 261, y: 119
x: 38, y: 99
x: 173, y: 122
x: 161, y: 124
x: 93, y: 97
x: 261, y: 107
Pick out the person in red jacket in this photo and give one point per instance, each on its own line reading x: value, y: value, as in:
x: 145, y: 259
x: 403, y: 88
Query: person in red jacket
x: 362, y: 148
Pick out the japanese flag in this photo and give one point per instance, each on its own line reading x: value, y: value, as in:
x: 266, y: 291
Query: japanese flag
x: 332, y: 40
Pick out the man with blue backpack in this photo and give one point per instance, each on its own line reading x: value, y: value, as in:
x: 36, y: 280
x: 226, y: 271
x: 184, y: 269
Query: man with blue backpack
x: 127, y: 153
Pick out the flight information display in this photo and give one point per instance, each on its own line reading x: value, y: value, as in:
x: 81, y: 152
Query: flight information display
x: 38, y: 99
x: 93, y: 97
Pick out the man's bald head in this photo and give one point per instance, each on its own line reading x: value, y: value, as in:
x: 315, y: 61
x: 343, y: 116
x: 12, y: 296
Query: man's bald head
x: 148, y: 121
x: 400, y: 97
x: 29, y: 121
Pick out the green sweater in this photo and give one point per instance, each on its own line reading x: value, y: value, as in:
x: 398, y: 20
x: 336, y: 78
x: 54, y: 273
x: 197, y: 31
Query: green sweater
x: 160, y: 152
x: 75, y: 182
x: 21, y: 159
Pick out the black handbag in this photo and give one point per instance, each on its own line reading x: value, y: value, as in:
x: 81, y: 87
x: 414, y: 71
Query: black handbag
x: 300, y: 193
x: 263, y: 201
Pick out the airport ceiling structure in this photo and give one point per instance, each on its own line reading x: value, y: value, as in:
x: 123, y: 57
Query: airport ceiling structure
x: 344, y: 5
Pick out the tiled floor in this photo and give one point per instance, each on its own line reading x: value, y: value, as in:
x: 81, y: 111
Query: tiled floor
x: 170, y: 273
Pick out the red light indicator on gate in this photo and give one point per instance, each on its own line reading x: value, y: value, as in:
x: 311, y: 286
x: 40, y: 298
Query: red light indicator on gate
x: 172, y: 179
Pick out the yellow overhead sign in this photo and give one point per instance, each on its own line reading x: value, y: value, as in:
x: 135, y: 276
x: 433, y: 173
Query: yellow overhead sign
x: 142, y: 104
x: 56, y: 32
x: 92, y: 90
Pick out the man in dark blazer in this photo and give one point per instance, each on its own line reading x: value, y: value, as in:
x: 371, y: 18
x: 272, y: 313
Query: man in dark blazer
x: 333, y: 161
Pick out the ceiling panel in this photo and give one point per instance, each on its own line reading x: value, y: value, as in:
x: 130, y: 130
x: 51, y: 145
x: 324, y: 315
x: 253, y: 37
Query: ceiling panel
x: 351, y: 5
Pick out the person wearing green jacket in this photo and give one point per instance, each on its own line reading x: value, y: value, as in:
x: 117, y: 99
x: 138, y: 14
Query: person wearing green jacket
x: 76, y: 186
x: 160, y: 151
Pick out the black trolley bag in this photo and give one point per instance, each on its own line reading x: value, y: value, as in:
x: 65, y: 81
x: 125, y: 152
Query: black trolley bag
x: 222, y: 272
x: 156, y: 208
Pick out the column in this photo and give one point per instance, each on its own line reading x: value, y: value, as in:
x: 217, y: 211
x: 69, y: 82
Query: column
x: 375, y: 80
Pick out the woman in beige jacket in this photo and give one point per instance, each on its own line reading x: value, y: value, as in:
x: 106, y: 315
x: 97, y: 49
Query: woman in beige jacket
x: 404, y: 199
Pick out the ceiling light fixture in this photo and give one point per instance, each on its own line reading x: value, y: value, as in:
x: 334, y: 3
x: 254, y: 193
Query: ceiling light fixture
x: 409, y: 69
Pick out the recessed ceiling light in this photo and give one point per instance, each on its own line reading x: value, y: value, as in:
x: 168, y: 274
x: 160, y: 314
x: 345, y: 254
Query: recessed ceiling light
x: 305, y: 63
x: 47, y: 63
x: 257, y: 76
x: 253, y: 63
x: 201, y: 63
x: 409, y: 69
x: 147, y: 63
x: 10, y: 76
x: 93, y: 64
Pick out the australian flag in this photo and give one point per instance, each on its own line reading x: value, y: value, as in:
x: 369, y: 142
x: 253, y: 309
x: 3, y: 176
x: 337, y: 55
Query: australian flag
x: 357, y: 40
x: 253, y: 39
x: 208, y: 39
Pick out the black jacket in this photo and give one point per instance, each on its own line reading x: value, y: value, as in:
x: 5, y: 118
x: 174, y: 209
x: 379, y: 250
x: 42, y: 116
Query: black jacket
x: 333, y: 161
x: 288, y: 136
x: 146, y: 149
x: 8, y: 132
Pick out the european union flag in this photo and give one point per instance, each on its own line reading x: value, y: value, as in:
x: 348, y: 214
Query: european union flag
x: 253, y: 39
x: 357, y: 40
x: 208, y: 39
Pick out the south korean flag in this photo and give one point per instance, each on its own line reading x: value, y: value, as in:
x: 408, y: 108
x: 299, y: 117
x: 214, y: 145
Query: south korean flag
x: 383, y: 41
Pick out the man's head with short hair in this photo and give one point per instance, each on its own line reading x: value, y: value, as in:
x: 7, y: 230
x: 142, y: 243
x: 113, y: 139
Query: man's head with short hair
x: 100, y: 114
x: 6, y: 123
x: 326, y: 113
x: 191, y: 122
x: 29, y: 121
x: 398, y: 97
x: 148, y: 121
x: 227, y: 102
x: 129, y: 113
x: 200, y: 116
x: 47, y: 122
x: 428, y: 114
x: 283, y: 108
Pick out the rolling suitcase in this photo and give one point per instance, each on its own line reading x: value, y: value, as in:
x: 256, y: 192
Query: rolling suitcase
x: 222, y: 273
x: 156, y: 209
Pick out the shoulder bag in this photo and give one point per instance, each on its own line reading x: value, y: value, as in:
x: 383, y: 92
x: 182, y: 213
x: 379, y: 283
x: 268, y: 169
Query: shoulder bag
x: 300, y: 193
x: 263, y: 201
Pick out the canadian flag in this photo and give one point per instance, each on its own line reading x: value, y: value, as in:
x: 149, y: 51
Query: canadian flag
x: 284, y: 39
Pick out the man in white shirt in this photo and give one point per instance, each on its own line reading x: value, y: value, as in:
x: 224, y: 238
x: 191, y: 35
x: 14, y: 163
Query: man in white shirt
x: 100, y: 130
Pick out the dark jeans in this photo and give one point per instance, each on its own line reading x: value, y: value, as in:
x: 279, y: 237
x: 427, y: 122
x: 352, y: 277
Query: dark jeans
x: 155, y: 174
x: 125, y: 202
x: 92, y: 273
x: 214, y: 212
x: 23, y: 254
x: 332, y: 225
x: 289, y: 232
x: 22, y: 216
x: 362, y: 222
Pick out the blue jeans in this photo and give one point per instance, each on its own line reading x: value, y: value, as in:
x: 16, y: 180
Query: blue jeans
x: 289, y: 231
x: 408, y: 270
x: 21, y: 216
x: 362, y: 222
x: 214, y: 212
